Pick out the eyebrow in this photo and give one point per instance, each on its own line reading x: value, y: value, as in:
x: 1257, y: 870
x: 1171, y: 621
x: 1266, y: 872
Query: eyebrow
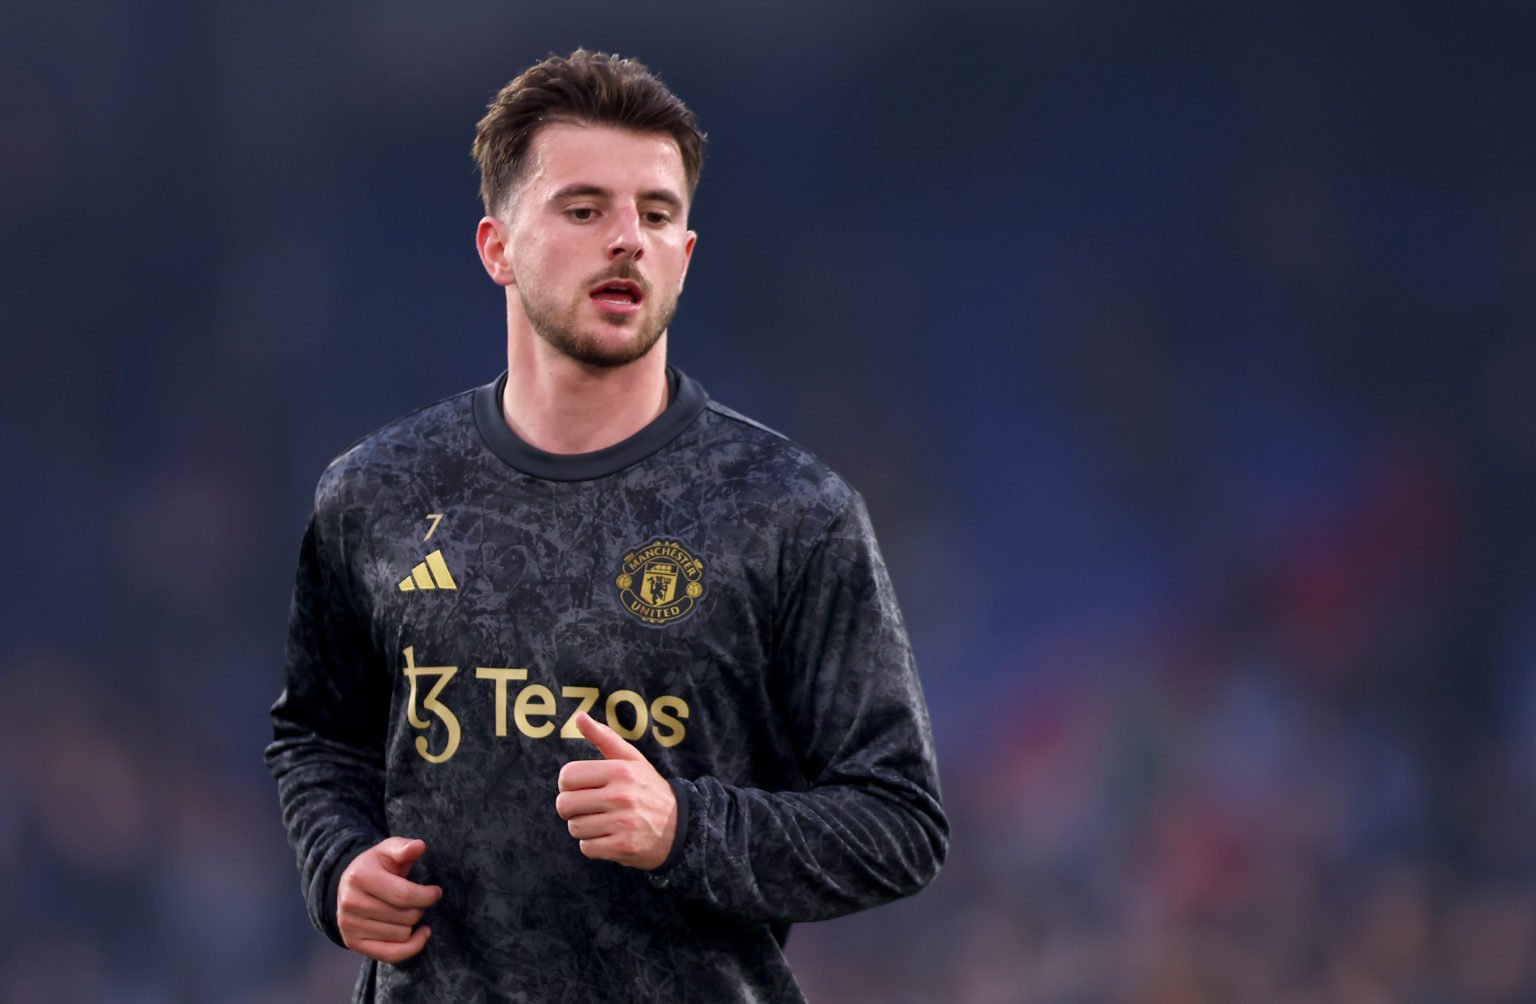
x: 579, y: 189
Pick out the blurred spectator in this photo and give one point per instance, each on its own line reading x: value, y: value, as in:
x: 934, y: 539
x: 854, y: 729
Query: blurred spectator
x: 1183, y: 354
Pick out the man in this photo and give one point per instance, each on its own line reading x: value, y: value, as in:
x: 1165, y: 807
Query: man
x: 593, y: 686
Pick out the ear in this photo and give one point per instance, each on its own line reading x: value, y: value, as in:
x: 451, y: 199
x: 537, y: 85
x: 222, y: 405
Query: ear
x: 688, y: 244
x: 491, y: 241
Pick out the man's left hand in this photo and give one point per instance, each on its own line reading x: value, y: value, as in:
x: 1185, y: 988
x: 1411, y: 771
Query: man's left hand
x: 619, y: 808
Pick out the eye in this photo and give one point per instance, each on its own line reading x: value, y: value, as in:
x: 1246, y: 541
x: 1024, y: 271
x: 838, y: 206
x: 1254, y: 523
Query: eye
x: 581, y: 214
x: 657, y: 218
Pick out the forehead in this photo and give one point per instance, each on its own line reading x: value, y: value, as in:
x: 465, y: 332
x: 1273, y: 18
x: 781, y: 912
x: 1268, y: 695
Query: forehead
x: 606, y: 156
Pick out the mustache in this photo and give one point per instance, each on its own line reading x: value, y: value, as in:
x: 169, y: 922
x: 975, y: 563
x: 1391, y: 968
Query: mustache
x: 623, y: 270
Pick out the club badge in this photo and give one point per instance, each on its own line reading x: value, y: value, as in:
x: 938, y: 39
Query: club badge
x: 661, y: 582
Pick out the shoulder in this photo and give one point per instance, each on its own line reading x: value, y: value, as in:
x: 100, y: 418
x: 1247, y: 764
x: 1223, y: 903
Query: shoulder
x: 741, y: 450
x: 416, y: 446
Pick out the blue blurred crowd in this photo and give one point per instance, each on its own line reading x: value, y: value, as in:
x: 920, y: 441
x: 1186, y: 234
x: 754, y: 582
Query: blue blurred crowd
x: 1185, y: 358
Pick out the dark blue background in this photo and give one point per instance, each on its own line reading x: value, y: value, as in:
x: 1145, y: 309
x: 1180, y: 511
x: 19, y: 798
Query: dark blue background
x: 1183, y: 352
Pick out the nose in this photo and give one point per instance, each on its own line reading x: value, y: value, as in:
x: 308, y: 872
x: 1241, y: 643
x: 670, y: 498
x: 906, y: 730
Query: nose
x: 625, y: 240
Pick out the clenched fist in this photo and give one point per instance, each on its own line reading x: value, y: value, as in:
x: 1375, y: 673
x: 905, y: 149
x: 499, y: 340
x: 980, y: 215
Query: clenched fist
x: 378, y: 908
x: 619, y: 808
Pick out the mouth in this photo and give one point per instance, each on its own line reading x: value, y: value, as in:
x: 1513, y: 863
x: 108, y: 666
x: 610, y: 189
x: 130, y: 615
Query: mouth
x: 617, y: 294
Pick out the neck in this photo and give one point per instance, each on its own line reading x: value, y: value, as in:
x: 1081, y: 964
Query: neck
x: 560, y: 405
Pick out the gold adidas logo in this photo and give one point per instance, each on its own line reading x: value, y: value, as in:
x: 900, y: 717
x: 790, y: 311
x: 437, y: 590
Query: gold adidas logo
x: 430, y: 574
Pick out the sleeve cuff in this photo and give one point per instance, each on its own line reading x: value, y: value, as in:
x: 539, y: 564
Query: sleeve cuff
x: 327, y: 919
x: 682, y: 791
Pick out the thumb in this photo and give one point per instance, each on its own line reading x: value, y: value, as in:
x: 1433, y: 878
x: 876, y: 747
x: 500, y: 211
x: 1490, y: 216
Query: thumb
x: 402, y: 852
x: 608, y: 742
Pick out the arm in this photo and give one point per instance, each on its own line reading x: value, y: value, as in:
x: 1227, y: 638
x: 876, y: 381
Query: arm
x: 869, y: 827
x: 328, y: 726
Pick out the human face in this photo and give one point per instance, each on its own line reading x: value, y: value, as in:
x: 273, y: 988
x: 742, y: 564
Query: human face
x: 597, y: 240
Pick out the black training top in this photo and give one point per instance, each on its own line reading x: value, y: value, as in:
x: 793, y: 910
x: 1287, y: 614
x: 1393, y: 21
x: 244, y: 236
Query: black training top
x: 708, y: 589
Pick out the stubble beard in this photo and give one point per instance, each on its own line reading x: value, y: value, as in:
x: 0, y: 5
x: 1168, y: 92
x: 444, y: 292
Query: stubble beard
x: 561, y: 330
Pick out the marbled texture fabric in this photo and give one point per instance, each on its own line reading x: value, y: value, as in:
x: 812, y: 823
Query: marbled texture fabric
x: 707, y: 588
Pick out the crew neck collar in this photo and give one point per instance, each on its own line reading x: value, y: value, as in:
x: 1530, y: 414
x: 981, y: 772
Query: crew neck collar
x: 685, y: 400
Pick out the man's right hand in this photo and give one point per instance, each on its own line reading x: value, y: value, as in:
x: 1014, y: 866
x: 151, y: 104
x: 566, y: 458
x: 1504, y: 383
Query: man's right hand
x: 378, y: 908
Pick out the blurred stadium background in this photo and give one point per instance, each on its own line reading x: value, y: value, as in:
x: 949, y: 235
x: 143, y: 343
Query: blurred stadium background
x: 1184, y: 353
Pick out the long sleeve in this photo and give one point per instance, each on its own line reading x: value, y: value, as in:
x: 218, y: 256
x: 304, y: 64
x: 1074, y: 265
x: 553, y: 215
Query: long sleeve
x: 327, y: 753
x: 869, y: 827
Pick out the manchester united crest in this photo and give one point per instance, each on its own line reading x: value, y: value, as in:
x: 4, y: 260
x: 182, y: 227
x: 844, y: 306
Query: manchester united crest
x: 661, y: 582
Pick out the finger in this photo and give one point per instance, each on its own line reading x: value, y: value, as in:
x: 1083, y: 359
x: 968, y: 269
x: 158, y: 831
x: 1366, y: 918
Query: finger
x: 372, y: 930
x: 580, y: 774
x: 608, y: 742
x: 400, y: 893
x: 392, y: 951
x: 592, y: 827
x: 354, y: 902
x: 363, y: 905
x: 584, y: 802
x: 402, y: 852
x: 608, y: 847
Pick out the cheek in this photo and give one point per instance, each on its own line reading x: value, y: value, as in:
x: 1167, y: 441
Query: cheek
x: 552, y: 259
x: 530, y: 243
x: 536, y: 264
x: 676, y: 258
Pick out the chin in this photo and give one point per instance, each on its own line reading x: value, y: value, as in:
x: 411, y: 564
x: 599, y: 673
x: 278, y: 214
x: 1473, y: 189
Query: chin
x: 609, y: 352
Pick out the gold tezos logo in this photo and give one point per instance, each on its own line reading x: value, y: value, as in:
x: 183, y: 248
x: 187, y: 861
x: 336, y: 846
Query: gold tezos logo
x: 661, y: 582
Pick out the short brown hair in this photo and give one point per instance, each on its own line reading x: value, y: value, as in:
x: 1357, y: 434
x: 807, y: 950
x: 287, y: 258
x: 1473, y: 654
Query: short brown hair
x: 585, y: 88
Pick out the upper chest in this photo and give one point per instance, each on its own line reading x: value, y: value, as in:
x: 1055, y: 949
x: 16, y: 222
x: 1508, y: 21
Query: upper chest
x: 596, y: 573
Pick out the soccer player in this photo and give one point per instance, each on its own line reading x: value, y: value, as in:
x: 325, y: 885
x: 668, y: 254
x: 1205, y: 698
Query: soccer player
x: 593, y: 686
